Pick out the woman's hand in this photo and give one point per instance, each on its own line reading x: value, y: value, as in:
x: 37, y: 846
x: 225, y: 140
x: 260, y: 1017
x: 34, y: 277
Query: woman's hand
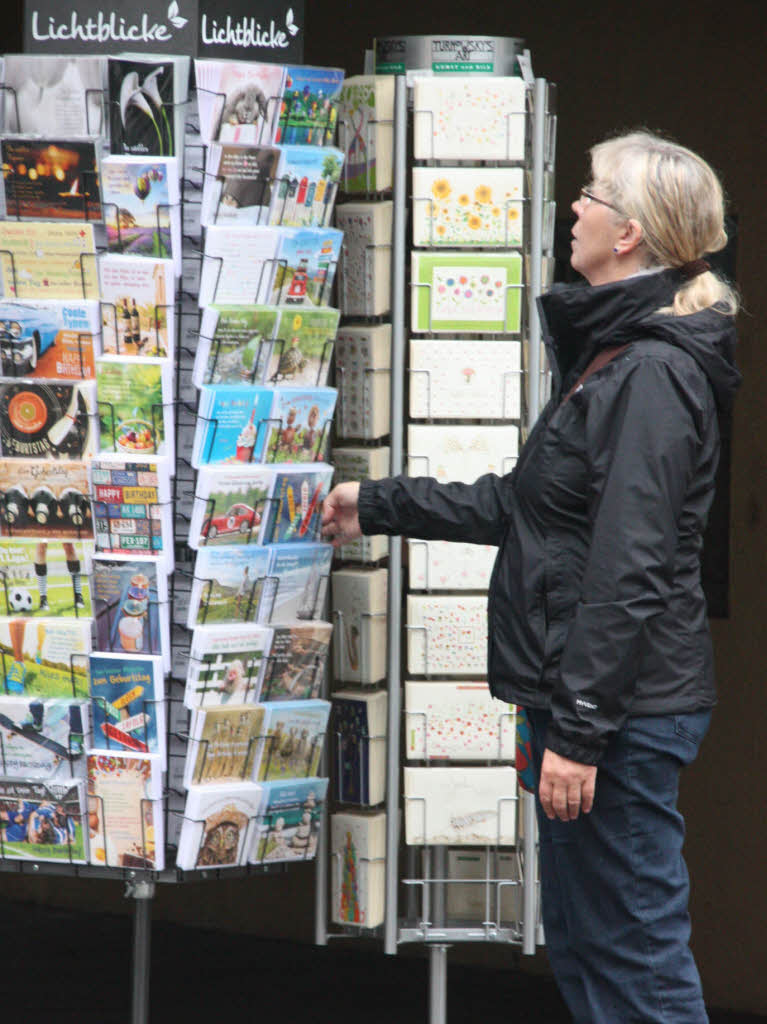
x: 340, y: 522
x: 566, y: 787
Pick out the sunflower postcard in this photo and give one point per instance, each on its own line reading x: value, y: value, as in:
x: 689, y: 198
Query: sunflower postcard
x: 476, y: 206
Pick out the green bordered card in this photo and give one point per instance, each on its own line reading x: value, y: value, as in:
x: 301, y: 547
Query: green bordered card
x: 477, y: 292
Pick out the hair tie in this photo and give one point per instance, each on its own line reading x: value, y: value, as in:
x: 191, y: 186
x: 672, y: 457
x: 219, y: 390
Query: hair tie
x: 694, y: 267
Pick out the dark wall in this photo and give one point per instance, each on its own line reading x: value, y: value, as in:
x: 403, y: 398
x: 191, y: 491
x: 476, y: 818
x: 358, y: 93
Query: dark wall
x: 694, y: 71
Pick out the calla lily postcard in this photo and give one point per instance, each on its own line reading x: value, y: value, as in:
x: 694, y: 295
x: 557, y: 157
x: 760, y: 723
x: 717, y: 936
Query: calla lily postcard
x: 146, y: 98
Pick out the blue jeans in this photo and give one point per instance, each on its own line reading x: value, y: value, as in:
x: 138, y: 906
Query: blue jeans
x: 614, y: 884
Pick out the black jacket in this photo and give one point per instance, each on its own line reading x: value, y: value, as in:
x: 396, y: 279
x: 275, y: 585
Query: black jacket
x: 595, y: 605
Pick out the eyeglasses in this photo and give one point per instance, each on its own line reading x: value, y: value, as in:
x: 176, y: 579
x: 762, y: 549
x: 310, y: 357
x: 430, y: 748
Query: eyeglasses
x: 586, y: 197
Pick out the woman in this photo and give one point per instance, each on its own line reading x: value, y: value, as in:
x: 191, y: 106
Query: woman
x: 596, y: 617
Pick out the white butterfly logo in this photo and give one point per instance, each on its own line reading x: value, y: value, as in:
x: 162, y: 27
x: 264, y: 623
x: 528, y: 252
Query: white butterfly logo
x: 292, y: 28
x: 174, y: 17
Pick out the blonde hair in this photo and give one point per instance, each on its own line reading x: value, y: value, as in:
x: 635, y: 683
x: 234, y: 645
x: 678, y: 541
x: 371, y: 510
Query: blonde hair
x: 678, y: 201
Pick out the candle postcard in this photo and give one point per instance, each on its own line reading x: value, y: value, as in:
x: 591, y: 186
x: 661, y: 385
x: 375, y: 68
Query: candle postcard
x: 477, y: 292
x: 468, y: 206
x: 50, y: 179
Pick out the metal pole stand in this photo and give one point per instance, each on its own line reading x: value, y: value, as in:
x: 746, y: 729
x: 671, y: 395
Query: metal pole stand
x: 143, y: 893
x: 438, y: 984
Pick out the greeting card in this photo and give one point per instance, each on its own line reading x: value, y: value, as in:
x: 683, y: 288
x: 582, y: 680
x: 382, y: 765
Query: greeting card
x: 359, y: 611
x: 465, y: 118
x: 358, y: 868
x: 137, y: 310
x: 301, y: 424
x: 128, y: 702
x: 365, y: 132
x: 45, y: 577
x: 309, y: 105
x: 42, y: 738
x: 43, y: 820
x: 50, y: 339
x: 125, y: 813
x: 307, y: 184
x: 365, y: 271
x: 449, y: 565
x: 306, y: 265
x: 50, y: 179
x: 295, y: 508
x: 238, y: 101
x: 449, y: 452
x: 135, y: 406
x: 363, y: 361
x: 294, y: 734
x: 297, y: 660
x: 45, y: 657
x: 47, y: 419
x: 224, y: 744
x: 47, y: 95
x: 131, y: 505
x: 304, y: 346
x: 241, y: 183
x: 234, y: 344
x: 130, y: 598
x: 238, y: 265
x: 228, y: 584
x: 226, y: 665
x: 141, y: 206
x: 477, y: 292
x: 362, y: 464
x: 289, y: 821
x: 147, y: 97
x: 468, y: 206
x: 48, y: 260
x: 217, y: 825
x: 460, y: 806
x: 232, y: 424
x: 231, y: 505
x: 297, y: 583
x: 446, y: 635
x: 459, y: 721
x: 359, y: 729
x: 45, y: 498
x: 456, y: 379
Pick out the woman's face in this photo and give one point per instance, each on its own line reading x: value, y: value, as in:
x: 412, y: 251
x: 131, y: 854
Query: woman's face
x: 595, y: 235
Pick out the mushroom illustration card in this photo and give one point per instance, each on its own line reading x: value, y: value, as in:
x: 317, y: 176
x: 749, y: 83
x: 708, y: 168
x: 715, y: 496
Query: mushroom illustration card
x: 449, y: 565
x: 459, y: 720
x: 472, y: 206
x: 456, y: 379
x: 141, y: 197
x: 447, y: 635
x: 457, y: 452
x: 460, y: 806
x: 466, y: 291
x: 365, y: 132
x: 469, y: 118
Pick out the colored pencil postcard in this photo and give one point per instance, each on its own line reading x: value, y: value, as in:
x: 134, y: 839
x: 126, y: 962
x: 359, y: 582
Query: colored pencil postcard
x: 132, y: 513
x: 307, y: 186
x: 54, y: 95
x: 295, y: 509
x: 232, y: 424
x: 45, y: 577
x: 50, y: 179
x: 130, y: 602
x: 289, y: 821
x: 302, y: 420
x: 307, y: 261
x: 47, y: 419
x: 228, y: 584
x: 127, y: 703
x: 309, y: 108
x: 125, y: 815
x: 224, y: 744
x: 297, y: 583
x: 478, y: 292
x: 297, y: 661
x: 217, y: 825
x: 137, y: 309
x: 45, y: 498
x: 226, y: 665
x: 43, y: 820
x: 43, y: 739
x: 48, y: 260
x: 358, y: 856
x: 304, y: 346
x: 234, y: 344
x: 51, y: 339
x: 45, y: 657
x: 135, y: 406
x: 231, y: 505
x: 141, y: 206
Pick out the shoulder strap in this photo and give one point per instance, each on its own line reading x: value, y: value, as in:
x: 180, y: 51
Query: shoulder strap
x: 602, y: 358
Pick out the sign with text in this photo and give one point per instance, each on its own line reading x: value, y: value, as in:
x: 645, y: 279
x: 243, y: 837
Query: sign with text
x: 111, y: 26
x: 259, y: 30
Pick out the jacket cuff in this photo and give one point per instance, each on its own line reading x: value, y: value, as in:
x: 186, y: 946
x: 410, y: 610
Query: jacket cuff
x: 574, y: 751
x: 366, y: 507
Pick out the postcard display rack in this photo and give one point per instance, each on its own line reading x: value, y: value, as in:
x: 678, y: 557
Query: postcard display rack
x: 473, y: 167
x: 166, y: 334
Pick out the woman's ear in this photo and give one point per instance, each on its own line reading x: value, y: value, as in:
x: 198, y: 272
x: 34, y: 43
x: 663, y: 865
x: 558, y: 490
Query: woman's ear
x: 630, y: 237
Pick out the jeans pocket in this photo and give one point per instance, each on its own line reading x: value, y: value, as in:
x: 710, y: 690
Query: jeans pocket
x: 693, y: 727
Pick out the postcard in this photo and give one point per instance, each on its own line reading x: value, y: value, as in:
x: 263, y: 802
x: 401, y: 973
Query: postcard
x: 47, y: 95
x: 459, y: 451
x: 458, y: 720
x: 50, y: 179
x: 232, y: 424
x: 363, y: 362
x: 309, y: 108
x: 48, y: 260
x: 365, y: 272
x: 304, y: 346
x: 226, y: 665
x: 460, y: 118
x: 43, y: 820
x: 51, y: 339
x: 45, y: 498
x: 128, y: 702
x: 477, y: 292
x: 241, y: 183
x: 239, y: 101
x: 217, y: 825
x: 295, y: 508
x: 359, y: 726
x: 458, y: 379
x: 447, y: 634
x: 135, y: 406
x: 231, y: 505
x: 307, y: 186
x: 365, y: 132
x: 45, y: 657
x: 224, y: 744
x: 47, y: 419
x: 130, y: 600
x: 460, y: 806
x: 239, y: 264
x: 358, y: 853
x: 137, y: 306
x: 228, y: 584
x: 297, y: 661
x: 146, y: 104
x: 307, y: 261
x: 449, y: 565
x: 294, y: 736
x: 43, y: 738
x: 141, y: 206
x: 468, y: 206
x: 45, y: 577
x: 297, y: 583
x: 234, y: 344
x: 289, y: 821
x: 125, y: 815
x: 302, y: 423
x: 132, y: 511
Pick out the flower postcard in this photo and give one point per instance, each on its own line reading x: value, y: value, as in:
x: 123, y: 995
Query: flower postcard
x: 472, y: 206
x: 466, y: 291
